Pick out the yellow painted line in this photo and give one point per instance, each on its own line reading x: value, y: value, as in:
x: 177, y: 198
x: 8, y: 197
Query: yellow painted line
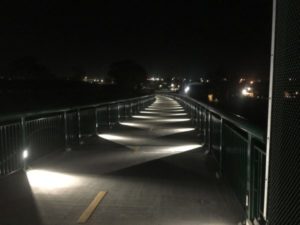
x: 91, y: 208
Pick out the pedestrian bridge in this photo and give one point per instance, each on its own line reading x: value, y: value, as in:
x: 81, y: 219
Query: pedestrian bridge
x: 157, y: 160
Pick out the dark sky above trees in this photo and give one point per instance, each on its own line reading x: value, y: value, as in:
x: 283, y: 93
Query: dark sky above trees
x: 185, y: 38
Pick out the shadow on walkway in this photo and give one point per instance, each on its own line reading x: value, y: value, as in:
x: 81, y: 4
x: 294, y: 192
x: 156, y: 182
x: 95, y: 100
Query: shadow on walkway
x: 17, y: 203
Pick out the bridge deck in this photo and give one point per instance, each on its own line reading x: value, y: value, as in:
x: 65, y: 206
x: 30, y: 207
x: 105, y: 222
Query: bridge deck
x: 152, y: 167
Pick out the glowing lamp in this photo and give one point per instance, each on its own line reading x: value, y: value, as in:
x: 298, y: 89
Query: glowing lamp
x: 25, y: 154
x: 187, y: 89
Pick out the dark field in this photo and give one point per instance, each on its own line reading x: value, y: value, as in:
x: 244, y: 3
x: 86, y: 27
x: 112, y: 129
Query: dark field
x: 24, y: 96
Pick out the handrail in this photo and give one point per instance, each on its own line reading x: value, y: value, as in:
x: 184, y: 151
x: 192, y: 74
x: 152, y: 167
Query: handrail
x: 234, y: 119
x: 237, y: 146
x: 15, y: 116
x: 41, y: 132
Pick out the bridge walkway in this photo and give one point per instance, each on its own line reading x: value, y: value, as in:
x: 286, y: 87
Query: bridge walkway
x: 152, y: 168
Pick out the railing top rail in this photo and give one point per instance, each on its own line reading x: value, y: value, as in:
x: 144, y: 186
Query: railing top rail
x: 16, y: 116
x: 234, y: 119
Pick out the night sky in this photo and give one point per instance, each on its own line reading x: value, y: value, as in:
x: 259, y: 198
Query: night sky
x: 185, y: 38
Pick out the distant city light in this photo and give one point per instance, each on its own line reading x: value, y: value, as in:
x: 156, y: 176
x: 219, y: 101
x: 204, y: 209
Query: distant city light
x: 242, y: 80
x: 154, y: 79
x: 187, y: 89
x: 244, y: 92
x: 248, y: 92
x: 210, y: 97
x: 172, y: 85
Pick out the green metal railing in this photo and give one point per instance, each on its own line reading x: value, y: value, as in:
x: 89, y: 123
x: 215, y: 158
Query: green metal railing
x: 239, y: 149
x: 42, y: 132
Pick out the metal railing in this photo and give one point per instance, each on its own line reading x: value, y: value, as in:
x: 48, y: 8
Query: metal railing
x: 238, y: 147
x: 39, y: 133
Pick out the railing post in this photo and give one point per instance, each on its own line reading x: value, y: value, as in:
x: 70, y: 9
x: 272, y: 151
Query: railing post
x: 221, y: 147
x: 108, y: 116
x: 67, y: 147
x: 198, y: 116
x: 79, y: 126
x: 200, y: 120
x: 118, y: 112
x: 24, y: 143
x: 96, y: 122
x: 249, y: 163
x: 209, y: 131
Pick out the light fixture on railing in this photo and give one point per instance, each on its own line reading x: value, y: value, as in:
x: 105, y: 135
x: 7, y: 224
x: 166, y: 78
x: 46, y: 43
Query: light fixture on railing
x: 25, y: 155
x: 187, y: 89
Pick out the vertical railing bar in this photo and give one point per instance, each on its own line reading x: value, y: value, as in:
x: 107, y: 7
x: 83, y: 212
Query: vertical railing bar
x: 209, y: 131
x: 249, y: 165
x: 7, y: 150
x: 221, y: 147
x: 108, y: 115
x: 1, y: 151
x: 23, y: 127
x: 79, y: 126
x: 65, y: 115
x: 96, y: 122
x: 14, y: 146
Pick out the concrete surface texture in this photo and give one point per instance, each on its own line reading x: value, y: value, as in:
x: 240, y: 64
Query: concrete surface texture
x: 152, y: 167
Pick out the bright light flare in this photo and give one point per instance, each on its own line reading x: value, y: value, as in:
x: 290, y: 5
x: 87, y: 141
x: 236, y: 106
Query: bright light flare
x: 149, y: 112
x: 179, y: 130
x: 163, y: 109
x: 177, y: 114
x: 25, y: 154
x: 244, y: 92
x: 48, y: 180
x: 112, y: 137
x: 134, y: 125
x: 178, y: 149
x: 247, y: 91
x: 143, y: 117
x: 187, y: 89
x: 163, y: 113
x: 183, y: 148
x: 171, y: 131
x: 174, y: 120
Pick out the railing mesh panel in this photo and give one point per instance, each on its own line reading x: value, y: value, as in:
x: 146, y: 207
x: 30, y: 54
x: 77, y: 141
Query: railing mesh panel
x: 284, y: 183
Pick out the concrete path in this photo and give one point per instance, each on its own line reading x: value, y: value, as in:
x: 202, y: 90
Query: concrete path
x: 152, y: 168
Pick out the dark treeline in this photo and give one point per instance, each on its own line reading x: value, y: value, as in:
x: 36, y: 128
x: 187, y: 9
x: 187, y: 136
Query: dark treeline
x: 33, y: 95
x: 27, y: 85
